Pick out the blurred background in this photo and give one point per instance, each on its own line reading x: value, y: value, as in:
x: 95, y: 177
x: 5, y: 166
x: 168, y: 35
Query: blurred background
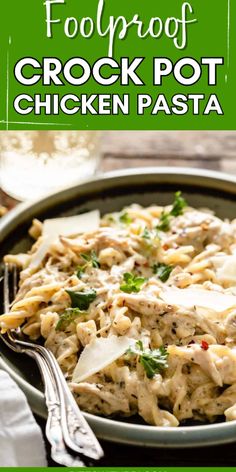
x: 34, y: 163
x: 200, y: 149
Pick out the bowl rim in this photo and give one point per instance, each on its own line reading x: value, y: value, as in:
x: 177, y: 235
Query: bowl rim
x: 105, y: 428
x: 184, y: 172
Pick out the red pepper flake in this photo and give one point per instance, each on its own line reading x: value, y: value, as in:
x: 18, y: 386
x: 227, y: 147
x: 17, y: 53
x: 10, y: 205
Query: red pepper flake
x: 204, y: 345
x: 165, y: 247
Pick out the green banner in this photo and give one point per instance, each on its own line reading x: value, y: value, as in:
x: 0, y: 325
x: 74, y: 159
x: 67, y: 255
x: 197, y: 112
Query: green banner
x: 104, y: 64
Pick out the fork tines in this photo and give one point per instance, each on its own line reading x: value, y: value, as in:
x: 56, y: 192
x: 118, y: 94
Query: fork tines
x: 10, y: 285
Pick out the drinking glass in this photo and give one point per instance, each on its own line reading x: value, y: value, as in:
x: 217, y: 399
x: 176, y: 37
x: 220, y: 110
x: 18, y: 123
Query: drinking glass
x: 36, y: 163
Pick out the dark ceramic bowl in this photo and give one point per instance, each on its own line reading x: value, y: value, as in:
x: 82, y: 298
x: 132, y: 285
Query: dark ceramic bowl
x: 108, y: 193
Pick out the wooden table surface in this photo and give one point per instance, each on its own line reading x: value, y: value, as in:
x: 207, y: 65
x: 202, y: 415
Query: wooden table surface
x: 200, y: 149
x: 209, y: 150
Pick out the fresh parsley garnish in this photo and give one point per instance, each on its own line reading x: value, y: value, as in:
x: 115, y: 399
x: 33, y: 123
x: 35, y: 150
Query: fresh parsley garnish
x: 67, y: 317
x: 125, y: 218
x: 162, y: 271
x: 153, y: 361
x: 150, y: 239
x: 110, y: 218
x: 80, y: 270
x: 164, y: 223
x: 82, y: 300
x: 177, y: 209
x: 146, y: 234
x: 91, y: 258
x: 132, y: 283
x: 178, y: 205
x: 91, y: 261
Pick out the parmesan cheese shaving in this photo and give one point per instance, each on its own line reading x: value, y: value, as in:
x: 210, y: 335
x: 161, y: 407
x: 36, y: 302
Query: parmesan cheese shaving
x: 227, y: 273
x: 100, y: 353
x: 189, y: 298
x: 71, y: 226
x: 39, y: 255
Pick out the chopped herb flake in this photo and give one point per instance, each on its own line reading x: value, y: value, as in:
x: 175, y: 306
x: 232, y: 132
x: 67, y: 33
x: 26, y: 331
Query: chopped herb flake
x: 91, y: 258
x: 164, y: 223
x: 162, y: 271
x: 86, y: 257
x: 67, y: 317
x: 178, y: 205
x: 153, y: 361
x: 177, y: 209
x: 91, y: 261
x: 146, y: 234
x: 125, y: 218
x: 80, y: 270
x: 132, y: 283
x: 150, y: 238
x: 82, y: 300
x: 111, y: 218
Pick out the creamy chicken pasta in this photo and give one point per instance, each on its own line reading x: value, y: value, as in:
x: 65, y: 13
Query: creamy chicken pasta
x: 139, y: 308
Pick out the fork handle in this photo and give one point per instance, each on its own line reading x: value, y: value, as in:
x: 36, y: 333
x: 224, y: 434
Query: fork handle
x: 54, y: 430
x: 76, y: 431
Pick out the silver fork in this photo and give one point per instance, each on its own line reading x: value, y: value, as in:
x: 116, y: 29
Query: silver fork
x: 66, y: 425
